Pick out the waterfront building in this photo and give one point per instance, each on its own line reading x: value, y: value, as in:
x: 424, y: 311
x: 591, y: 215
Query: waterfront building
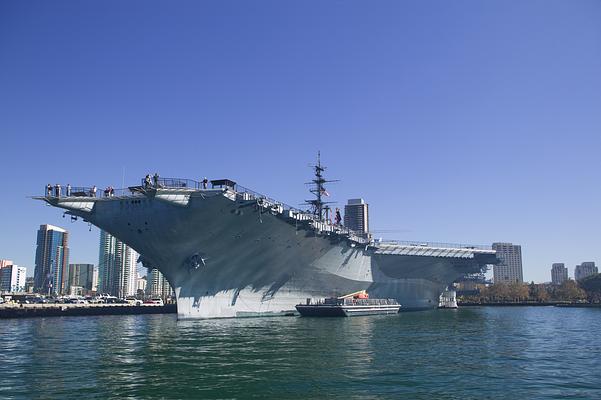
x: 116, y: 267
x: 559, y: 273
x: 585, y: 269
x: 80, y: 275
x: 509, y: 270
x: 356, y: 215
x: 51, y: 259
x: 12, y: 279
x: 157, y: 285
x: 141, y: 284
x: 95, y: 280
x: 29, y: 284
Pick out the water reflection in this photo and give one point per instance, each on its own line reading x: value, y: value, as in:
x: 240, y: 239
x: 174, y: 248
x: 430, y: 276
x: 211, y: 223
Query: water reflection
x: 466, y: 353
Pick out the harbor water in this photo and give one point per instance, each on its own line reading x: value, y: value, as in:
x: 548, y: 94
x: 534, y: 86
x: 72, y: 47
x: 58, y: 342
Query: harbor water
x: 470, y: 353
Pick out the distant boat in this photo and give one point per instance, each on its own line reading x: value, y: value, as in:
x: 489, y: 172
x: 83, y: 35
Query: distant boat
x: 350, y: 305
x: 448, y: 299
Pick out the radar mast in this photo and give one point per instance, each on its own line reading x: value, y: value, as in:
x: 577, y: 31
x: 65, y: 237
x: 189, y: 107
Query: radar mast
x: 319, y: 208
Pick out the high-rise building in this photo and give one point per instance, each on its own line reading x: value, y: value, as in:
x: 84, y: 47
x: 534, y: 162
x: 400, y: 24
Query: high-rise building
x: 356, y: 215
x: 12, y: 279
x: 117, y: 270
x: 559, y: 273
x: 509, y: 269
x: 81, y: 275
x: 141, y: 284
x: 157, y: 285
x: 585, y: 269
x: 5, y: 263
x: 51, y: 259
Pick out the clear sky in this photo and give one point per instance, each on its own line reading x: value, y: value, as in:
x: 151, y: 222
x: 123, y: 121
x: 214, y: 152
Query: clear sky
x: 458, y: 121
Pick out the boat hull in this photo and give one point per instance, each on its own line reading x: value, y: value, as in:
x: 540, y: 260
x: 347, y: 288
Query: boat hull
x: 345, y: 311
x: 230, y: 257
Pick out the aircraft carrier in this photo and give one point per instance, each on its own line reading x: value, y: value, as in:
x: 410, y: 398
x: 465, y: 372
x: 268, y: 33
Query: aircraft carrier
x: 231, y: 252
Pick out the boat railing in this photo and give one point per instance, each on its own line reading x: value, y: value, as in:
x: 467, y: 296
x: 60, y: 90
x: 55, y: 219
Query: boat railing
x: 171, y: 183
x: 241, y: 192
x: 253, y: 195
x: 60, y: 191
x: 246, y: 194
x: 370, y: 302
x: 322, y: 225
x: 355, y: 302
x: 417, y: 243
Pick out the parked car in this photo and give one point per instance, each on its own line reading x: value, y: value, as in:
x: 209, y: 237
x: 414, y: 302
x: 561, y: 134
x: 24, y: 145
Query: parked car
x: 133, y: 301
x: 111, y: 299
x: 158, y: 301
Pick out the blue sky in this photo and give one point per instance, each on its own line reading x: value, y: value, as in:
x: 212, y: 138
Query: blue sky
x: 463, y: 121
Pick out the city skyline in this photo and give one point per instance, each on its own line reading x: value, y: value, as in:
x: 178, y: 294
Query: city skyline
x: 109, y: 244
x: 450, y: 125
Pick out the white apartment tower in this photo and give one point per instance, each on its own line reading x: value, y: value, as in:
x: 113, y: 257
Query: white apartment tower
x: 509, y: 270
x: 12, y: 279
x: 559, y: 273
x: 585, y: 269
x: 117, y: 272
x: 157, y: 285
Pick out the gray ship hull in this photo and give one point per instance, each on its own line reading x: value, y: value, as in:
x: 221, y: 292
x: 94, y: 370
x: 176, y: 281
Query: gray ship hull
x: 230, y: 256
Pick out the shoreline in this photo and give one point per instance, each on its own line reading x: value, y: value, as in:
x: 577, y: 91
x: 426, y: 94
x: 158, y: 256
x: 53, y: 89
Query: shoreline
x: 67, y: 310
x: 530, y: 304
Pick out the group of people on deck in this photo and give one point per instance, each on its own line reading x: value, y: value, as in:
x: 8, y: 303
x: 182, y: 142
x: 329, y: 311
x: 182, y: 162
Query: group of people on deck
x: 154, y: 182
x: 57, y: 191
x: 151, y: 183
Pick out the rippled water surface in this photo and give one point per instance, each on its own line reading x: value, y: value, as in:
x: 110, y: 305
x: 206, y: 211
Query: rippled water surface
x: 471, y: 353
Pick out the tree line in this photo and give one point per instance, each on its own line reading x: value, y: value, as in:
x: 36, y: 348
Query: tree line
x: 586, y: 290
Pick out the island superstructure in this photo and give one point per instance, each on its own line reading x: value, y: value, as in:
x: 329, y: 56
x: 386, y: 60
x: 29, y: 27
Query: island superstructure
x: 230, y: 252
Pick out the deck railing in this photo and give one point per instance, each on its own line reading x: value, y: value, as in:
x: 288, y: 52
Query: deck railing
x: 434, y: 244
x: 88, y: 191
x: 171, y: 183
x: 245, y: 193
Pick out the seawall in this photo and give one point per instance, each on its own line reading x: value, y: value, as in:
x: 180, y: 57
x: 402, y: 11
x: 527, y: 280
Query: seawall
x: 64, y: 310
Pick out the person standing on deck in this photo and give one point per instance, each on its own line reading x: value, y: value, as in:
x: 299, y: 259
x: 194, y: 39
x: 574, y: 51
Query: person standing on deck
x: 338, y: 217
x: 68, y: 189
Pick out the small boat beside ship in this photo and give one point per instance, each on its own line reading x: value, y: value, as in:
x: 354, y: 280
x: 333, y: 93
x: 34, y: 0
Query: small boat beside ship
x: 350, y: 305
x: 448, y: 299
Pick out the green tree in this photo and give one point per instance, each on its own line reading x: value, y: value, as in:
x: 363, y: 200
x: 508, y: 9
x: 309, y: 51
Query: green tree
x: 518, y: 291
x: 592, y: 287
x: 540, y: 294
x: 569, y: 291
